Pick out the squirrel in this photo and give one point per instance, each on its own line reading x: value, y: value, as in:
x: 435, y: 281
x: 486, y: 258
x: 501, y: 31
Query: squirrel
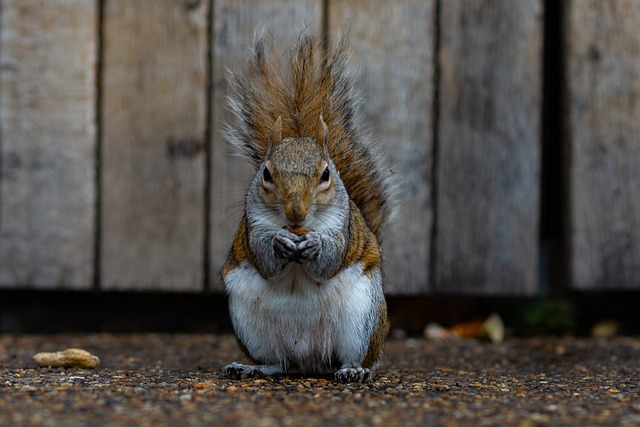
x: 304, y: 273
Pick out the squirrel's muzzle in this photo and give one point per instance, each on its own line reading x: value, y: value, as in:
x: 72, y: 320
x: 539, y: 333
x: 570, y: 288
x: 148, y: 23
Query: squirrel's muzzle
x: 295, y: 209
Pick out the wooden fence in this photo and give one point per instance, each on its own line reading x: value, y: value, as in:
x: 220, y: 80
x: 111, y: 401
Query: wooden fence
x: 114, y: 176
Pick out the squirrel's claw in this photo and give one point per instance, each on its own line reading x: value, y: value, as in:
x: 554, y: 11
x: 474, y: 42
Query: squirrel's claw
x: 239, y: 371
x: 297, y: 248
x: 310, y: 245
x: 353, y: 375
x: 284, y: 245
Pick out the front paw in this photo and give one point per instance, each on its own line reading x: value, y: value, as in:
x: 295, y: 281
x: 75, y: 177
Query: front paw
x: 285, y: 245
x: 309, y: 246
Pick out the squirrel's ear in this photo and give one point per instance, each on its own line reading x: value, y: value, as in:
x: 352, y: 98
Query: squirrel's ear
x: 275, y: 135
x: 323, y: 135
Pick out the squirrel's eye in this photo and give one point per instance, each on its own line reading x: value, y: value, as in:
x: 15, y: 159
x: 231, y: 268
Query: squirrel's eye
x: 325, y: 175
x: 266, y: 175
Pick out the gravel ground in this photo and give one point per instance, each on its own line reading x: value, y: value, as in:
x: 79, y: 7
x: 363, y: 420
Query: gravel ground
x: 162, y: 379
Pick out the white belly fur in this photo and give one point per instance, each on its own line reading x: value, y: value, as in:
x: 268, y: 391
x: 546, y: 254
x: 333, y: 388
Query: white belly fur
x: 299, y: 324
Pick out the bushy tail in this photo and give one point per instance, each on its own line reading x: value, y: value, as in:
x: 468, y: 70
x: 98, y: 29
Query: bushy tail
x: 312, y: 81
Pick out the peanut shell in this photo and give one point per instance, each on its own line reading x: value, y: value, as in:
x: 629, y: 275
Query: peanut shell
x: 298, y: 231
x: 69, y: 358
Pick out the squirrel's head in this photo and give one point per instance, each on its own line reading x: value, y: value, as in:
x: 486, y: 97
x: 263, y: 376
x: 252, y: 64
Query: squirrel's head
x: 297, y: 176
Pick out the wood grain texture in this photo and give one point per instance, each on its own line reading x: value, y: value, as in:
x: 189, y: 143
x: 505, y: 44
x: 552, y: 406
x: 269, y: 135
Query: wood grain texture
x: 603, y: 128
x: 234, y: 24
x: 392, y: 46
x: 153, y: 148
x: 488, y: 155
x: 48, y: 142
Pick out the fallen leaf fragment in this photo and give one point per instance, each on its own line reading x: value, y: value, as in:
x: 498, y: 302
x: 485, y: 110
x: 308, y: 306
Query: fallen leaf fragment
x: 494, y: 328
x: 606, y: 329
x: 470, y: 329
x: 491, y: 328
x: 69, y: 358
x: 435, y: 332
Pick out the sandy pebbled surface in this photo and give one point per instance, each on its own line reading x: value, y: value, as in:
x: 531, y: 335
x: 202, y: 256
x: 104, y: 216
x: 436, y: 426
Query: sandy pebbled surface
x: 164, y: 379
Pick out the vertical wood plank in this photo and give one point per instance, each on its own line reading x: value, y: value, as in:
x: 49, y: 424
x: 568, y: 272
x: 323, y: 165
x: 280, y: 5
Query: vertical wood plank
x: 603, y: 133
x: 392, y: 45
x: 47, y: 144
x: 153, y: 148
x: 234, y: 24
x: 488, y: 156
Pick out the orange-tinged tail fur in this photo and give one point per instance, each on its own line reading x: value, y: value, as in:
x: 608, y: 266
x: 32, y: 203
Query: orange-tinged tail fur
x: 314, y: 81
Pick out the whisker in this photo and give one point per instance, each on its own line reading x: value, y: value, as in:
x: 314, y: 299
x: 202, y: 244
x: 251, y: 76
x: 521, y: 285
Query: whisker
x: 238, y: 190
x: 245, y: 180
x: 237, y: 206
x: 236, y: 216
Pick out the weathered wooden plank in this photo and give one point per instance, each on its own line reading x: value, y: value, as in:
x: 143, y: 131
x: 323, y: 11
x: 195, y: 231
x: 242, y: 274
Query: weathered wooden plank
x: 47, y: 146
x: 392, y: 45
x: 603, y: 131
x: 234, y: 24
x: 488, y: 155
x: 153, y: 147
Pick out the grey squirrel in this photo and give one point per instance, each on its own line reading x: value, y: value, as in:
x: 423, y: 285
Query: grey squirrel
x: 304, y: 274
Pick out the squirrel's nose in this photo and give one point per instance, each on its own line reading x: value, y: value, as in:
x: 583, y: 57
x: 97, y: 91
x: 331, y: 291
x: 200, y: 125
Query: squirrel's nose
x: 296, y: 211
